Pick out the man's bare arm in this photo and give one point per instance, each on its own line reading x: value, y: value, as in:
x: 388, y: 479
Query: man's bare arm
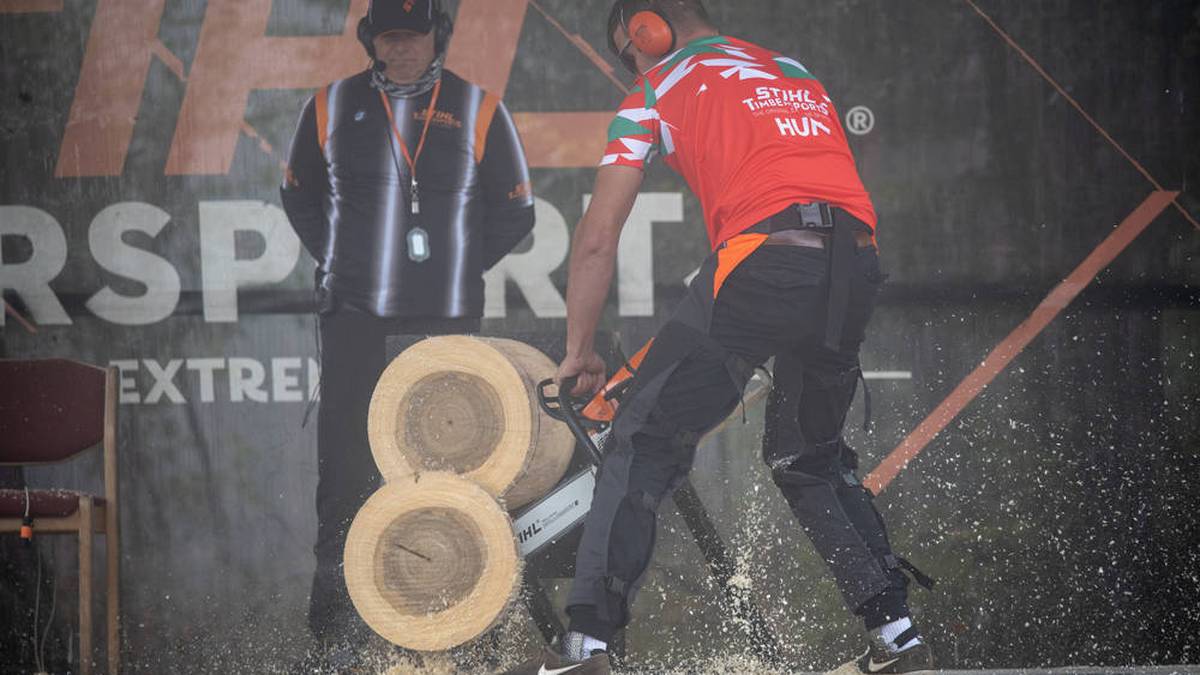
x: 593, y: 255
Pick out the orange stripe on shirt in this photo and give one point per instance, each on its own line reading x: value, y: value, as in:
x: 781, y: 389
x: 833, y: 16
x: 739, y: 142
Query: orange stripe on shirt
x: 729, y: 256
x: 323, y: 117
x: 483, y: 123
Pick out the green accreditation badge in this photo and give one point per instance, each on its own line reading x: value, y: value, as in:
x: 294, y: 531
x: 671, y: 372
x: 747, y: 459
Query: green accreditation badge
x: 418, y: 238
x: 418, y: 244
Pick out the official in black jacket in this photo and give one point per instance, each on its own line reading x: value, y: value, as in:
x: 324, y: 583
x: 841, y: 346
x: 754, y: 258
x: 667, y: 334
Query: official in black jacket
x: 405, y: 183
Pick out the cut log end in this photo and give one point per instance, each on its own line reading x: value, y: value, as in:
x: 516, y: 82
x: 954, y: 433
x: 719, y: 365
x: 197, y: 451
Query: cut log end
x: 468, y: 405
x: 432, y: 564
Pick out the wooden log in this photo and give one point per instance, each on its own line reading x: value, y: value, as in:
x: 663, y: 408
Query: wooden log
x: 431, y: 563
x: 469, y: 406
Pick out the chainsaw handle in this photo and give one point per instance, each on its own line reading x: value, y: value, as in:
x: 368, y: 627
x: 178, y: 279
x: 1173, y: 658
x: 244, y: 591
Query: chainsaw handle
x: 562, y: 408
x: 549, y: 404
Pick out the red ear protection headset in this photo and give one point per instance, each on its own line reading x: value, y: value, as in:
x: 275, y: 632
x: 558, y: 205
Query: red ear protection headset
x: 649, y: 31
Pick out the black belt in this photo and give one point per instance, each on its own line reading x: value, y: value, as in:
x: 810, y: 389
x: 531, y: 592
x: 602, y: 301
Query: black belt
x: 814, y: 216
x: 843, y: 230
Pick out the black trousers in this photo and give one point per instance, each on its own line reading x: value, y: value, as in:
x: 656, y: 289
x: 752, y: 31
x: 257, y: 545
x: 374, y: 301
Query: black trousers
x: 773, y: 304
x: 353, y: 356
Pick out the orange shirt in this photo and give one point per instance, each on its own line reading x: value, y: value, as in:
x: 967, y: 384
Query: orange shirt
x: 751, y: 132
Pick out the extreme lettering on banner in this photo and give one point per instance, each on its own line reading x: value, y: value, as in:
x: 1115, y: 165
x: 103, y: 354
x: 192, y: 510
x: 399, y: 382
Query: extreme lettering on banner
x: 291, y: 379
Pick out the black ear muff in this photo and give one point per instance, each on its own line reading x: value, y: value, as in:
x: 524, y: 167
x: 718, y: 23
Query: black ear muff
x: 443, y: 29
x: 364, y: 36
x: 651, y: 33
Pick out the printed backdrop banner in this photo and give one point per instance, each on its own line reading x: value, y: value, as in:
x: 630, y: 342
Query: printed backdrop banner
x: 143, y: 143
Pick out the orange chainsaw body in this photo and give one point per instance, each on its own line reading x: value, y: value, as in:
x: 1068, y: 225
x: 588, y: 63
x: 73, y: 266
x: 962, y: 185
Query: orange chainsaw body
x: 603, y: 406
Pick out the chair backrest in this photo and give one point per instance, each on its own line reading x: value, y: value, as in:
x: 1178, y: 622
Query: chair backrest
x: 50, y: 409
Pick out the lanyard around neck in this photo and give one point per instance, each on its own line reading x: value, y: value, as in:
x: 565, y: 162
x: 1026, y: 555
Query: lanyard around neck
x: 412, y: 159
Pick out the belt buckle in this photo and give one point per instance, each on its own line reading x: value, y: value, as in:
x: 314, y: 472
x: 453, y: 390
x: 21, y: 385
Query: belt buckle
x: 815, y: 216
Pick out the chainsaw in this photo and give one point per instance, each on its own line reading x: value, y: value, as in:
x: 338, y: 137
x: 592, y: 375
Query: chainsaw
x: 559, y: 512
x: 554, y: 516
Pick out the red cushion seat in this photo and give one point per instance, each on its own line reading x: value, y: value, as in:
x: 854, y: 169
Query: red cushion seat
x: 42, y: 503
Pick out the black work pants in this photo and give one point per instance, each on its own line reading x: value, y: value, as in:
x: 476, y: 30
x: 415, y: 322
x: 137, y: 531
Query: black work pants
x: 773, y: 304
x: 353, y: 356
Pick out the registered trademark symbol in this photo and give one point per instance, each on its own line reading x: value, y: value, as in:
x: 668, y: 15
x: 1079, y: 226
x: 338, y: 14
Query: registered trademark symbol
x: 860, y: 120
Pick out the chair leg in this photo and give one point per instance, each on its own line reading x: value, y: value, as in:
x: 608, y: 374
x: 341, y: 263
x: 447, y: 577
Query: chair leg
x: 112, y: 542
x: 85, y: 585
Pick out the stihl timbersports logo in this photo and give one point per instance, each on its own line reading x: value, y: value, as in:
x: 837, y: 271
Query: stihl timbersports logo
x: 234, y: 56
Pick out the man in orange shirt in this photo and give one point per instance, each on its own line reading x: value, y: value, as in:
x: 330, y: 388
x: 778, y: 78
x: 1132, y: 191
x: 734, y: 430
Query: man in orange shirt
x: 793, y: 275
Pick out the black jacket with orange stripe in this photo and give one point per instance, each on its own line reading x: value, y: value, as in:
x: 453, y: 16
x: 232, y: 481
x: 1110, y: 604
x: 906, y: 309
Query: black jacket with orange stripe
x: 347, y: 194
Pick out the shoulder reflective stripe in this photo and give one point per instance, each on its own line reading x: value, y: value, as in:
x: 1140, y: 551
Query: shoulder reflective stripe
x: 323, y: 117
x: 483, y: 122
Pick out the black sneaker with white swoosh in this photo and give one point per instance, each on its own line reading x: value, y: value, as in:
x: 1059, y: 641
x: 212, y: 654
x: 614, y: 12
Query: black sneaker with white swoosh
x: 878, y: 659
x: 552, y: 663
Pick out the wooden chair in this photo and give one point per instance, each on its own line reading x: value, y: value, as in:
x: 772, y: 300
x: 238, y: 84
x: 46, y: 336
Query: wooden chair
x: 50, y: 411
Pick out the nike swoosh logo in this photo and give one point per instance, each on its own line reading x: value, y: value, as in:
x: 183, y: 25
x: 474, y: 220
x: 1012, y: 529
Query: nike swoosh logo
x: 873, y: 667
x: 543, y: 671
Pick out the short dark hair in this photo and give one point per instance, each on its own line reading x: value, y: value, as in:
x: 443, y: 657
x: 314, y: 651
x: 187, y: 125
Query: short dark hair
x: 685, y: 12
x: 681, y: 13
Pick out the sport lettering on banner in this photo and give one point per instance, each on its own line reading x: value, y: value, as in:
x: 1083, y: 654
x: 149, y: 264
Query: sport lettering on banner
x: 224, y: 273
